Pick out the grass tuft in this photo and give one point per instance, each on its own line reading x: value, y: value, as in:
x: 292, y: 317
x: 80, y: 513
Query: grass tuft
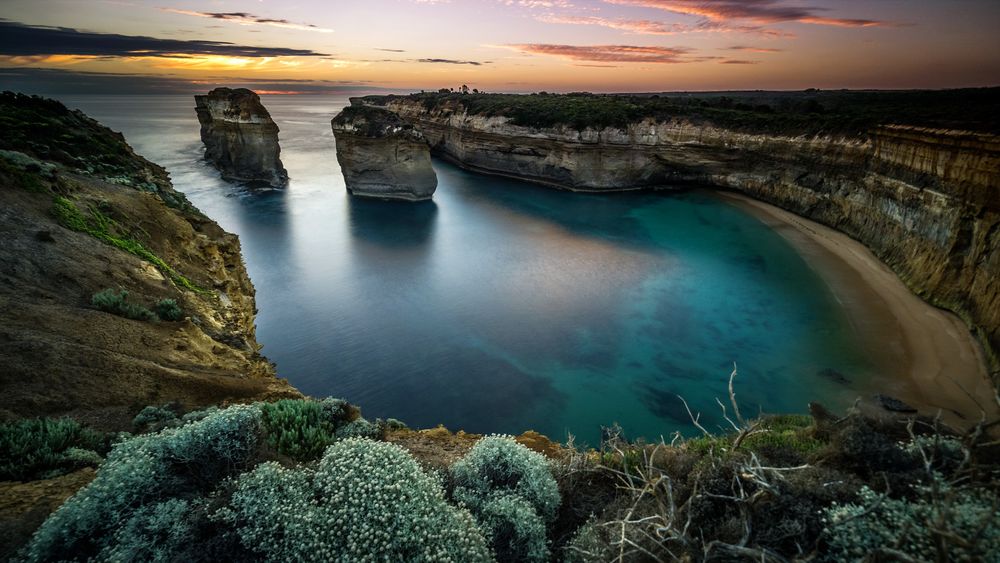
x: 103, y: 228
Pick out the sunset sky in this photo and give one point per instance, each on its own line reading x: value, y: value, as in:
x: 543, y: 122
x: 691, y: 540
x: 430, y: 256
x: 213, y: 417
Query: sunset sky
x: 497, y: 45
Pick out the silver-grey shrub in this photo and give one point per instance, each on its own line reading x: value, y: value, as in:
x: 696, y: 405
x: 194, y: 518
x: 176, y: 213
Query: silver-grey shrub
x: 512, y: 493
x: 156, y: 533
x: 144, y: 471
x: 513, y: 528
x: 499, y: 465
x: 365, y: 501
x: 859, y: 529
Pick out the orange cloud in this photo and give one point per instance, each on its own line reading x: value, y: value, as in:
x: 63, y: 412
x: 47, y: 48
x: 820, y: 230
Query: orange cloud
x: 609, y: 53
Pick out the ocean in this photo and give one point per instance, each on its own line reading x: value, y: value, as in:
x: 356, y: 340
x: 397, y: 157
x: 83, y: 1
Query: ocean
x: 502, y: 306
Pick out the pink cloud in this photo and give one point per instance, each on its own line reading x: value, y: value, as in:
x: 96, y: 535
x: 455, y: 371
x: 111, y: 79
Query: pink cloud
x: 653, y: 27
x: 758, y: 11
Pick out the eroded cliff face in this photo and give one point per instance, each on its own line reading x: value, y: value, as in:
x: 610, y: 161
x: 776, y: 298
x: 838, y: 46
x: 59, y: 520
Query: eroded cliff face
x: 73, y: 225
x: 240, y: 137
x: 926, y: 201
x: 382, y: 155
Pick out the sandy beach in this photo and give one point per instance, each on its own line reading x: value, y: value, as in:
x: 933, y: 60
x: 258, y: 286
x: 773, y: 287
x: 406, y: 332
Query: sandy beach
x: 926, y: 356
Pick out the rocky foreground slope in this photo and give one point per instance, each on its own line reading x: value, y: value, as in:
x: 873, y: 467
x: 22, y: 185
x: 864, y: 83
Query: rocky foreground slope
x: 81, y: 213
x: 926, y: 200
x: 240, y: 137
x: 382, y: 155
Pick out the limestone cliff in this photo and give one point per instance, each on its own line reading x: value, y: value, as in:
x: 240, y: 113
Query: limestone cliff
x: 382, y: 155
x: 926, y: 201
x: 240, y: 137
x: 80, y: 213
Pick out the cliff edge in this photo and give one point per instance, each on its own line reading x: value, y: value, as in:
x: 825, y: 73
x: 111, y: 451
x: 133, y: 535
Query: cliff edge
x: 240, y: 137
x: 115, y: 291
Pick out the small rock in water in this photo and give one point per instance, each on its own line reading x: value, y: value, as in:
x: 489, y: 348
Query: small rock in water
x: 833, y: 375
x: 893, y: 404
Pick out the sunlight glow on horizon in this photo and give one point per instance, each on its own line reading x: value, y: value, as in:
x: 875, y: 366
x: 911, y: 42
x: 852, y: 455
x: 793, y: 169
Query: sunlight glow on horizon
x: 517, y: 45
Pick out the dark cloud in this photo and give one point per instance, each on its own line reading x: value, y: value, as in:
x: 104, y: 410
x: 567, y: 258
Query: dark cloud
x: 737, y: 62
x: 391, y: 50
x: 453, y: 62
x: 247, y: 18
x: 752, y: 49
x: 60, y: 82
x: 17, y: 39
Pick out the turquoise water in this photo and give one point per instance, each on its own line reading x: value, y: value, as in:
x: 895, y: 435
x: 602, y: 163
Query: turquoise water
x: 503, y: 306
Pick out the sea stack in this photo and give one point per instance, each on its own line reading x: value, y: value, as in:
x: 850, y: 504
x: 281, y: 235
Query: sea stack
x: 240, y: 137
x: 382, y: 155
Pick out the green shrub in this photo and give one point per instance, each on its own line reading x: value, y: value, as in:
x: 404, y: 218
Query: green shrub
x: 513, y: 529
x: 168, y: 310
x: 142, y: 472
x: 115, y: 302
x: 154, y: 418
x: 499, y: 465
x: 779, y: 434
x: 46, y: 447
x: 298, y: 428
x: 395, y: 424
x: 587, y: 546
x: 359, y: 428
x: 857, y: 530
x: 365, y: 500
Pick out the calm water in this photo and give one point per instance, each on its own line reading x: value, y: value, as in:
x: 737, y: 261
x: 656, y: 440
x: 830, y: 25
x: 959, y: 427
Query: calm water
x: 503, y: 306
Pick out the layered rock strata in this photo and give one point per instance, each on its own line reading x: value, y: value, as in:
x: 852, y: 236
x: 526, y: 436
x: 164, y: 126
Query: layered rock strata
x: 240, y: 137
x: 80, y: 212
x: 925, y: 201
x: 382, y: 155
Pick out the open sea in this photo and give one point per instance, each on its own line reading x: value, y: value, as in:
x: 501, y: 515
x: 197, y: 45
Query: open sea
x: 502, y: 306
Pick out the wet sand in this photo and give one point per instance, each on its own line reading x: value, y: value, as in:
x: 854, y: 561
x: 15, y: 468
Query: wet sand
x: 925, y: 356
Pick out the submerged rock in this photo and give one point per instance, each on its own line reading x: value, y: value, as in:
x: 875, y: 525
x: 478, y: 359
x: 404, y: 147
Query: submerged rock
x: 240, y: 137
x: 382, y: 155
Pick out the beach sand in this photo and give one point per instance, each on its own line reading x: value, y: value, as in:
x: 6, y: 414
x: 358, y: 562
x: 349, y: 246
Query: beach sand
x: 925, y: 356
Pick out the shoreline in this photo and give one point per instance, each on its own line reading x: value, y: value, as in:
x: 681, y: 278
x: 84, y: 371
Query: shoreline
x: 927, y: 356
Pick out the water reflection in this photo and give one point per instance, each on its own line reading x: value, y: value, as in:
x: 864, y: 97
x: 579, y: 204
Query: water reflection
x: 392, y: 224
x: 502, y: 306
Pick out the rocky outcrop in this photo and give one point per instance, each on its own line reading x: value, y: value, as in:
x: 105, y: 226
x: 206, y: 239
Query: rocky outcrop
x: 926, y: 201
x: 76, y: 221
x: 240, y: 137
x: 382, y: 155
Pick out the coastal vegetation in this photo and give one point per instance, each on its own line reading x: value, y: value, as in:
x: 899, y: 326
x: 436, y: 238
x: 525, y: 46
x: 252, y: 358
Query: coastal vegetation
x: 812, y: 112
x: 101, y: 226
x: 42, y: 448
x: 221, y: 483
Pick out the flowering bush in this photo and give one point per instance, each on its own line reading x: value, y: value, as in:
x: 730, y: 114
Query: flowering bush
x: 511, y: 492
x: 365, y: 499
x: 498, y: 464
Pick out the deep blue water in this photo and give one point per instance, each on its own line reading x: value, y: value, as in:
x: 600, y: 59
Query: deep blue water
x: 503, y: 306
